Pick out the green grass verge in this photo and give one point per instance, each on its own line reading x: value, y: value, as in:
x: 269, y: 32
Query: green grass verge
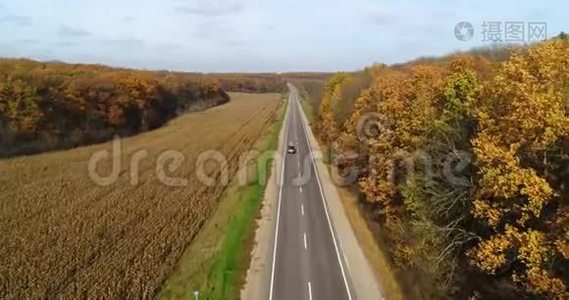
x: 233, y: 258
x: 216, y: 261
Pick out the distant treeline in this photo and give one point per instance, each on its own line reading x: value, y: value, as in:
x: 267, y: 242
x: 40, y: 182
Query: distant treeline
x: 310, y: 76
x: 249, y: 83
x: 495, y: 53
x: 47, y: 106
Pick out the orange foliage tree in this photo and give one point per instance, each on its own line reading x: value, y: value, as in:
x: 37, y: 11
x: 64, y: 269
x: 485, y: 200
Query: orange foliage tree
x: 502, y: 215
x: 19, y: 105
x: 330, y: 97
x: 520, y: 150
x: 46, y: 106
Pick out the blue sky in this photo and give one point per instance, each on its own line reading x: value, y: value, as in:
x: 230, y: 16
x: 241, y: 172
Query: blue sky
x: 254, y: 36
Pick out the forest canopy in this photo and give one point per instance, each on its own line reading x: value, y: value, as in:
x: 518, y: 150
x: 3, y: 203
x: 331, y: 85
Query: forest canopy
x: 51, y: 105
x: 466, y: 168
x: 45, y: 106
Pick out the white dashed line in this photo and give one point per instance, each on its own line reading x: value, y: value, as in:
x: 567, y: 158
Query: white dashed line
x: 304, y: 122
x: 305, y: 243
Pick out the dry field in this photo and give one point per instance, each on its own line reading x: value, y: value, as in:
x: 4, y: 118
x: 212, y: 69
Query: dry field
x: 63, y: 236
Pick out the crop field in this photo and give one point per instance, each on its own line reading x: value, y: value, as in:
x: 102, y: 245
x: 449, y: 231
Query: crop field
x: 64, y: 236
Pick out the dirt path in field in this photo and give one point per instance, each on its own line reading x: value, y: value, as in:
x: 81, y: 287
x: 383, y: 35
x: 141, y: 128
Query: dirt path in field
x: 65, y: 236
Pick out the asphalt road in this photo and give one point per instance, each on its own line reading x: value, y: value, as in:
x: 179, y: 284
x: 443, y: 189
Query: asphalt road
x: 307, y: 261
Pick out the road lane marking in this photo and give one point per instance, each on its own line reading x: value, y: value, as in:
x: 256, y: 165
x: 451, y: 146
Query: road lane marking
x: 301, y: 189
x: 302, y: 209
x: 304, y: 122
x: 305, y: 243
x: 285, y: 136
x: 309, y: 291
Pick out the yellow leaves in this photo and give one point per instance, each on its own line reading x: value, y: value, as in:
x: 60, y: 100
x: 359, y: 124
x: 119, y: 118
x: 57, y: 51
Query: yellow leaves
x: 136, y: 89
x: 541, y: 282
x: 521, y: 115
x: 482, y: 209
x: 533, y: 248
x: 48, y: 105
x: 503, y: 179
x: 19, y: 103
x: 405, y: 100
x: 331, y: 95
x: 525, y: 103
x: 490, y: 255
x: 516, y: 124
x: 537, y: 191
x: 533, y: 251
x: 499, y: 184
x: 380, y: 190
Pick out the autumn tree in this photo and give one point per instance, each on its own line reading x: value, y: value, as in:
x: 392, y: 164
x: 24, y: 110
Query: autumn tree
x: 331, y: 95
x: 464, y: 162
x: 404, y: 107
x: 46, y: 106
x: 19, y: 105
x: 521, y: 150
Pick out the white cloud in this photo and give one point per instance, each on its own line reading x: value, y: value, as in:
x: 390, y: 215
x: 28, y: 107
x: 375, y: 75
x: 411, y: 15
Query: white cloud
x: 382, y: 16
x: 68, y: 31
x: 211, y: 8
x: 17, y: 20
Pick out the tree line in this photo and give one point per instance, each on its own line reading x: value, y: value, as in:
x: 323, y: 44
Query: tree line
x: 50, y: 105
x: 465, y: 164
x: 249, y: 83
x: 46, y: 106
